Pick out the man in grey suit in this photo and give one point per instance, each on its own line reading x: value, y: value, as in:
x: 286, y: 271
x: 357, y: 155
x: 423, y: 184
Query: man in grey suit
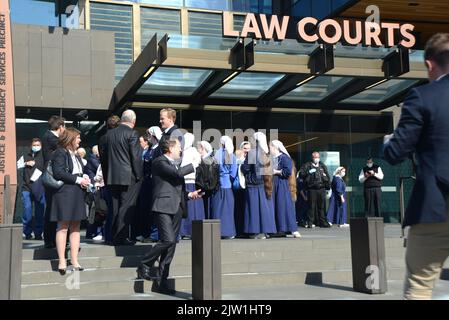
x: 124, y: 171
x: 169, y: 207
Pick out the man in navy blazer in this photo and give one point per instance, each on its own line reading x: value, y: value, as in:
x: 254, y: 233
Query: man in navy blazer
x: 423, y: 132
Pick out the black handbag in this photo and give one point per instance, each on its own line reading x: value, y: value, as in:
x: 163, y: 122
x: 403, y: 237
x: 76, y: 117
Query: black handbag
x: 49, y: 181
x: 47, y: 177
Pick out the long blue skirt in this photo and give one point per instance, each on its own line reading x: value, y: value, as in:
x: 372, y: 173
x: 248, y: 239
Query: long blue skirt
x: 259, y: 211
x: 195, y: 209
x: 239, y: 211
x: 337, y: 212
x: 284, y: 207
x: 222, y: 207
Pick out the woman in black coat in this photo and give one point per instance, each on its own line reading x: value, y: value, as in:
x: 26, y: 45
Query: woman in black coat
x: 68, y: 207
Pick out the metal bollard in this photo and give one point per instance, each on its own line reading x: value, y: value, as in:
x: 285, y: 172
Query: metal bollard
x: 10, y: 261
x: 369, y: 270
x: 206, y: 260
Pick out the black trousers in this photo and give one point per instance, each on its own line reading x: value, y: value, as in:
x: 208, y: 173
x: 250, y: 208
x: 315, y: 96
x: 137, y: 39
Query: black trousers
x: 124, y: 200
x: 49, y: 226
x: 143, y: 217
x: 169, y: 226
x: 372, y: 202
x: 317, y: 207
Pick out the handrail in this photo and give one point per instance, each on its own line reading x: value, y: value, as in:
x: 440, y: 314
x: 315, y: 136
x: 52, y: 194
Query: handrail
x: 402, y: 203
x: 7, y: 216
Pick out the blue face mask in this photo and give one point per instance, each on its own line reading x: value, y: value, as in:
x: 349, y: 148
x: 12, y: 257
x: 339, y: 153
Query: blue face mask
x: 35, y: 149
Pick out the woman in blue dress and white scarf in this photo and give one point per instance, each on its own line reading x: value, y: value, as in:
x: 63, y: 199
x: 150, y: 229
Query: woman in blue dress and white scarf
x: 222, y: 201
x: 284, y: 206
x: 337, y: 212
x: 195, y: 207
x: 259, y: 211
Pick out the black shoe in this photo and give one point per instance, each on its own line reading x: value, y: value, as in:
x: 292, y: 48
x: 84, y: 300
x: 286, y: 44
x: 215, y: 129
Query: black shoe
x: 148, y: 273
x: 62, y: 271
x: 125, y: 242
x: 28, y: 237
x: 163, y: 288
x: 325, y: 225
x: 38, y: 238
x: 79, y: 268
x: 50, y: 246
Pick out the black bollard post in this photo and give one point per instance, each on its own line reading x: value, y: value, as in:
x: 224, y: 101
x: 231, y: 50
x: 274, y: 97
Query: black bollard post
x: 10, y: 250
x: 206, y: 260
x: 369, y: 270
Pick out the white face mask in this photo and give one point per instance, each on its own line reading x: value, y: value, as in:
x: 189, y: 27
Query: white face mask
x: 316, y: 160
x: 36, y: 149
x: 369, y: 165
x: 342, y: 174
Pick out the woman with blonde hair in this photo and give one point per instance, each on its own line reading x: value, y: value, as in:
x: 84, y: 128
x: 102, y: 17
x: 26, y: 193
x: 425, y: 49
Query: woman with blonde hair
x: 337, y: 212
x: 68, y: 206
x: 284, y: 197
x: 259, y: 212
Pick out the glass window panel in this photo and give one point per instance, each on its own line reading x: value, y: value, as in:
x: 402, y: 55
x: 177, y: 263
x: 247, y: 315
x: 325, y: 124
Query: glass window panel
x: 248, y: 85
x: 381, y: 92
x: 174, y: 81
x: 34, y: 12
x: 316, y: 89
x: 208, y: 4
x: 177, y: 3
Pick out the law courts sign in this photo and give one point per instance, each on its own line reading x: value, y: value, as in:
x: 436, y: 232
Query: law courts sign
x: 7, y: 114
x: 328, y: 31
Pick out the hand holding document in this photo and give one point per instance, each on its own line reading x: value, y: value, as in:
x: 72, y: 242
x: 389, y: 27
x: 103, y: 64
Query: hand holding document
x: 21, y: 163
x: 36, y: 174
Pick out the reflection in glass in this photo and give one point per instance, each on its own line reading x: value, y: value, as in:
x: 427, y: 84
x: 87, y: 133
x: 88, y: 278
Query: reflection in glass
x: 174, y: 81
x: 381, y: 92
x: 316, y: 89
x: 248, y: 85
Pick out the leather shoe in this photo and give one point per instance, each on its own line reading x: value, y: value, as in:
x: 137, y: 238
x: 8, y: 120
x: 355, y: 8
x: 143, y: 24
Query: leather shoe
x: 144, y: 272
x: 163, y: 288
x: 125, y: 242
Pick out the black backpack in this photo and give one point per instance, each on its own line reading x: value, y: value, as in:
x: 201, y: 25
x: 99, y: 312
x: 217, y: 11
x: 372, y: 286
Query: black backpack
x: 206, y: 177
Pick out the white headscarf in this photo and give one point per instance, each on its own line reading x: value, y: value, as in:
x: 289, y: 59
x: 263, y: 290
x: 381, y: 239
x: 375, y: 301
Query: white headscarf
x: 207, y: 147
x: 261, y: 138
x: 156, y: 132
x: 338, y: 171
x: 188, y: 140
x: 228, y: 145
x: 280, y: 146
x: 243, y: 143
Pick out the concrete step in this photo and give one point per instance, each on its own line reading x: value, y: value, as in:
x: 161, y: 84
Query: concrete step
x: 128, y: 285
x: 304, y: 263
x: 229, y: 253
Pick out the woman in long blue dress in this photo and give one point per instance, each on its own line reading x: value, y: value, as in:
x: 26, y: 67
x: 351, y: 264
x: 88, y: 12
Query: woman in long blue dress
x: 337, y: 212
x: 195, y: 207
x: 284, y: 206
x: 222, y: 201
x: 259, y: 211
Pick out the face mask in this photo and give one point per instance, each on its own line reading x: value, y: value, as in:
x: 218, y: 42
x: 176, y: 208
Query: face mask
x: 369, y: 165
x: 316, y: 160
x: 35, y: 149
x: 342, y: 174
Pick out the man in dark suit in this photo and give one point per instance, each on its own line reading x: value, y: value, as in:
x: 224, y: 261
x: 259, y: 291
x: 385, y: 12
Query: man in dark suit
x: 423, y: 130
x: 122, y: 156
x: 112, y: 122
x: 50, y: 141
x: 169, y: 207
x: 167, y: 118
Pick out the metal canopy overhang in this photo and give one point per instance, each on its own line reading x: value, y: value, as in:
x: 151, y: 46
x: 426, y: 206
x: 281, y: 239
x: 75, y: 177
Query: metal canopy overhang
x: 293, y: 70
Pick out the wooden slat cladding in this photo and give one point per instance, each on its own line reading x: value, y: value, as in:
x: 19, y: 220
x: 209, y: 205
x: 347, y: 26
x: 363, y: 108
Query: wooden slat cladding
x: 433, y: 11
x: 428, y: 17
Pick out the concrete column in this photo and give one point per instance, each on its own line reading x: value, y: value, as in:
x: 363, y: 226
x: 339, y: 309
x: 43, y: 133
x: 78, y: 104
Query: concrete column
x: 206, y: 260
